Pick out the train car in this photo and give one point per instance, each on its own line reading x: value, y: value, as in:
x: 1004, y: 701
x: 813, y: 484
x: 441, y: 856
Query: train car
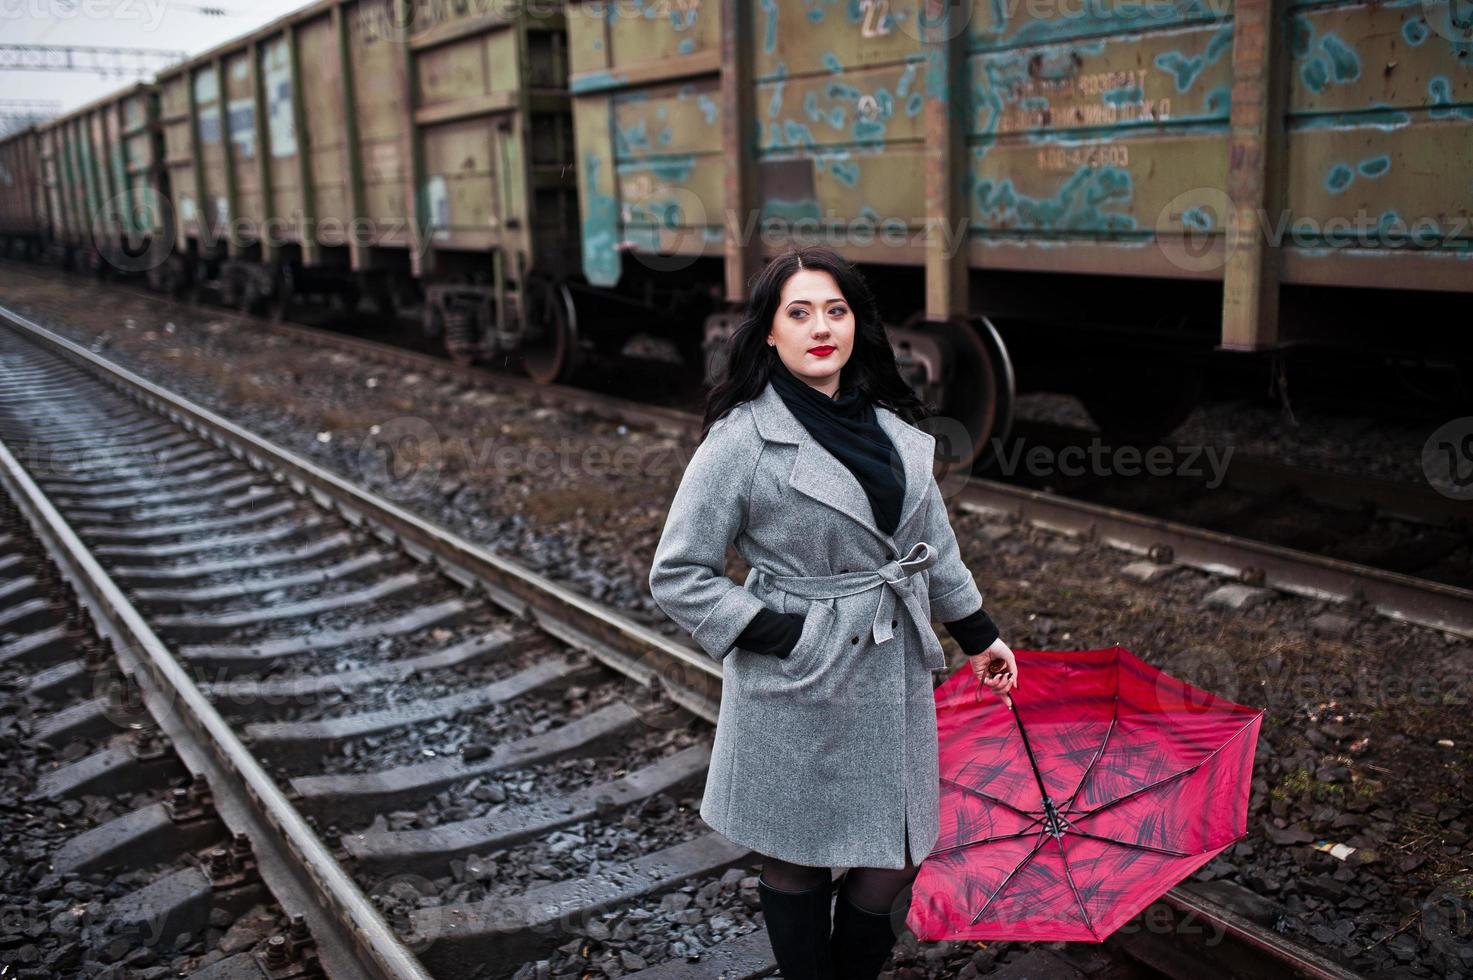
x: 417, y: 155
x: 1082, y: 190
x: 1106, y: 200
x: 23, y: 218
x: 100, y: 183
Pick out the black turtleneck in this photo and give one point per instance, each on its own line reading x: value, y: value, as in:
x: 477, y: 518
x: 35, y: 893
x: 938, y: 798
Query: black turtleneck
x: 849, y: 429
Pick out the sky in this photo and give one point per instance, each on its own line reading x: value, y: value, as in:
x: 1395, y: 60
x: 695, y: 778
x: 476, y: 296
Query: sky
x: 168, y: 25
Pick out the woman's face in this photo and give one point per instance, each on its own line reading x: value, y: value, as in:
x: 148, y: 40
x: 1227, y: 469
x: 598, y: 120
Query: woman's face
x: 813, y: 329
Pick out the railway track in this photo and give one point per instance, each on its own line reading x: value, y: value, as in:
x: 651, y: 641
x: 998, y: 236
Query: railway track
x: 388, y: 712
x: 1383, y: 535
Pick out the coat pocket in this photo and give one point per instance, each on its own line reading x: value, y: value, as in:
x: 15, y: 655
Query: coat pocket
x: 816, y: 622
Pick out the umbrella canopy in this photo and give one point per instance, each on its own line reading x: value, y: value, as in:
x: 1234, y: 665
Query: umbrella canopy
x: 1067, y: 810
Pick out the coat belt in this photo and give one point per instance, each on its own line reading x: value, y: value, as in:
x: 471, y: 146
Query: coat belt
x: 893, y: 581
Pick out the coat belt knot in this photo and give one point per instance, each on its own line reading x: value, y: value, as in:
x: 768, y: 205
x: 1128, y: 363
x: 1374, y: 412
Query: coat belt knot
x: 893, y: 580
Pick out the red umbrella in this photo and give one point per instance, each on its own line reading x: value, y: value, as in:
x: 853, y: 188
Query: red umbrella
x: 1124, y: 781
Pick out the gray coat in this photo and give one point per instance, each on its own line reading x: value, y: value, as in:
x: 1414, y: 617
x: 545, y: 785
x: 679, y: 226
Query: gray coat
x: 829, y: 756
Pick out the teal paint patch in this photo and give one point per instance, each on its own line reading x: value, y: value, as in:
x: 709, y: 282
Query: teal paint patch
x: 1183, y: 69
x: 778, y: 209
x: 683, y: 20
x: 1314, y: 74
x: 845, y: 171
x: 1440, y: 97
x: 816, y: 15
x: 810, y: 106
x: 1221, y: 43
x: 841, y: 90
x: 686, y: 45
x: 1128, y: 95
x: 596, y: 81
x: 1415, y: 31
x: 832, y: 63
x: 1219, y: 101
x: 662, y: 112
x: 666, y: 135
x: 1374, y: 167
x: 629, y: 140
x: 769, y: 27
x: 868, y: 130
x: 1198, y: 219
x: 798, y: 134
x: 836, y: 117
x: 674, y: 169
x: 1301, y: 34
x: 1339, y: 178
x: 600, y: 230
x: 708, y: 108
x: 1379, y: 117
x: 907, y: 79
x: 1343, y: 61
x: 913, y: 104
x: 1080, y: 205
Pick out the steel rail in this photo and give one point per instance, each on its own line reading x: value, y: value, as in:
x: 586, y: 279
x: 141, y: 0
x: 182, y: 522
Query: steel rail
x: 689, y: 675
x: 1401, y: 597
x: 352, y: 938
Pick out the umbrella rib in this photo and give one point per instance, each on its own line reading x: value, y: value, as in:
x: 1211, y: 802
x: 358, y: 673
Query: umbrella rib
x: 1176, y: 775
x: 1042, y: 839
x: 1125, y: 843
x: 1089, y: 923
x: 986, y: 796
x: 984, y: 840
x: 1099, y: 754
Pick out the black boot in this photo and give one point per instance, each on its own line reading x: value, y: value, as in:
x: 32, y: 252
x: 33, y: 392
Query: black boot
x: 862, y: 940
x: 798, y: 928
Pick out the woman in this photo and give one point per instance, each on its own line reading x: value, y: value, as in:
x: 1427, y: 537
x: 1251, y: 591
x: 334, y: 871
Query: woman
x: 825, y: 751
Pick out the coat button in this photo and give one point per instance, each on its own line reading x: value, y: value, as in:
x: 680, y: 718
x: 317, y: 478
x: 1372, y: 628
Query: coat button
x: 853, y: 639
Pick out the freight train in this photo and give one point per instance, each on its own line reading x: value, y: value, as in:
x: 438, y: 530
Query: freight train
x: 1104, y: 197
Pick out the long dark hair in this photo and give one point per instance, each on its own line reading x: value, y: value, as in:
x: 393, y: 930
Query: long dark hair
x: 750, y: 359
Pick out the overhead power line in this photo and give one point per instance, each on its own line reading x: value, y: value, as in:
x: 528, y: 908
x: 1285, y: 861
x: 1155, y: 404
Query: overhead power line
x: 86, y: 58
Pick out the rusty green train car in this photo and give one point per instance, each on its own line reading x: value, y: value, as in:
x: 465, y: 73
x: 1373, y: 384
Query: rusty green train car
x: 23, y: 216
x: 82, y: 187
x: 1135, y: 183
x: 1097, y: 196
x: 413, y: 154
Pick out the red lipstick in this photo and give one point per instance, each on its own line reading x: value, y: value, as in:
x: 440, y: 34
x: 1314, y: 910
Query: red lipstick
x: 823, y: 350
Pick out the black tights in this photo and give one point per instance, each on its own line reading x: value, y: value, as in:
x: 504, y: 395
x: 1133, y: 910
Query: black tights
x: 872, y: 889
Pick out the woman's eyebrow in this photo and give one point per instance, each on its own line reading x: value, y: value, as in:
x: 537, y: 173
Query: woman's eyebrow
x: 808, y: 302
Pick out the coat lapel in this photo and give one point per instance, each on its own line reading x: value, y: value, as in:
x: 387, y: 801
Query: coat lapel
x: 818, y: 474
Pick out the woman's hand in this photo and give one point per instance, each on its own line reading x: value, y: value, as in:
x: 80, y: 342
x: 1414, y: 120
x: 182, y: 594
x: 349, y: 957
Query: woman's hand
x: 1001, y: 677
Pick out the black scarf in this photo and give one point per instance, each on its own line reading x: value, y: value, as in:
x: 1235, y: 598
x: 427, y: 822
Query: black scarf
x: 849, y: 429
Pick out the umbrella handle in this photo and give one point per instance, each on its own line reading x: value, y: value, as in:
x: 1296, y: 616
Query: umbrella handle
x: 995, y: 666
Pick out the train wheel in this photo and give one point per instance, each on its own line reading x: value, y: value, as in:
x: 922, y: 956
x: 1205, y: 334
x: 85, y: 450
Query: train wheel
x: 550, y: 352
x: 460, y: 344
x: 970, y: 378
x: 286, y: 293
x: 1140, y: 400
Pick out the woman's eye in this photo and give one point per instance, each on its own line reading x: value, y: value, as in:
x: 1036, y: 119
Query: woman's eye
x: 796, y: 313
x: 837, y: 311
